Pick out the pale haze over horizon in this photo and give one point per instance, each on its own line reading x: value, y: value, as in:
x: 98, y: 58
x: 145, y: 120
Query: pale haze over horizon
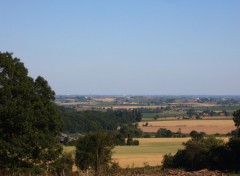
x: 129, y: 47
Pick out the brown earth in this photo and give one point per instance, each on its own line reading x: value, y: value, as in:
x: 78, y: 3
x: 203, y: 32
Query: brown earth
x: 203, y: 172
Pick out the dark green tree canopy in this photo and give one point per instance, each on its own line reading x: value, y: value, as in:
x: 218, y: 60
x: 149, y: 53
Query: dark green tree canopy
x: 94, y: 150
x: 197, y: 135
x: 236, y: 118
x: 29, y: 121
x: 163, y: 132
x: 208, y: 152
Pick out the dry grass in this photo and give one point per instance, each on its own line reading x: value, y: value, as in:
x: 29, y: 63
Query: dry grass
x: 150, y: 151
x: 186, y: 126
x: 134, y: 107
x: 104, y: 99
x: 194, y: 104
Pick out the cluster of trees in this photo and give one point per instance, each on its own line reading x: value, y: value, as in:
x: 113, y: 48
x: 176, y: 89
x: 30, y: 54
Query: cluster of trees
x: 86, y: 121
x: 192, y: 112
x: 211, y: 153
x: 164, y: 133
x: 30, y: 124
x: 29, y: 121
x: 94, y: 151
x: 127, y: 131
x: 155, y: 110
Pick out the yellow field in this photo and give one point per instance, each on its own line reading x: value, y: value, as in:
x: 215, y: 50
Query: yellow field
x: 186, y: 126
x: 150, y: 151
x: 134, y: 107
x: 105, y: 99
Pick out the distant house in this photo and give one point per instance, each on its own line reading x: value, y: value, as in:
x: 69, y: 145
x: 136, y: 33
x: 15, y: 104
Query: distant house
x: 205, y: 114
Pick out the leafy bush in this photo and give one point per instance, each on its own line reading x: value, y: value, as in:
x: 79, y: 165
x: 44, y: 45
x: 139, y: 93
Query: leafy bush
x: 195, y: 155
x: 163, y: 132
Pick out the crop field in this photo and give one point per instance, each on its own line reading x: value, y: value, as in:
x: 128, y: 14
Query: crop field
x: 147, y: 116
x: 186, y: 126
x: 150, y: 151
x: 133, y: 107
x: 105, y: 99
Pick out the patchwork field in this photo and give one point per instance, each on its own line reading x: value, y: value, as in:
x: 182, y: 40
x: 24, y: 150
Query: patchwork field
x: 186, y: 126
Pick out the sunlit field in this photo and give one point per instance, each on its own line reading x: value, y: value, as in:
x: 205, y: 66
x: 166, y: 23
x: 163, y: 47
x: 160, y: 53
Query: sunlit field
x: 186, y: 126
x: 150, y: 151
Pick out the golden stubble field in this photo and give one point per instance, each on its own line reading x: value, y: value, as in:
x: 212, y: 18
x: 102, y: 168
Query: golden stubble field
x: 186, y: 126
x: 150, y: 151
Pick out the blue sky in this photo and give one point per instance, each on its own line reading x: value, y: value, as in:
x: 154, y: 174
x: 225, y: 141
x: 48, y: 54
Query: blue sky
x: 127, y: 46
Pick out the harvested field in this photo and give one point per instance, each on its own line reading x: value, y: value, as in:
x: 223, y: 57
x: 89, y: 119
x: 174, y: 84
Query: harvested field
x: 150, y: 151
x: 105, y: 99
x: 194, y: 104
x: 186, y: 126
x: 134, y: 107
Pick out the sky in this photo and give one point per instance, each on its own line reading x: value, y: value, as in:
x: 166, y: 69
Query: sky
x: 127, y: 47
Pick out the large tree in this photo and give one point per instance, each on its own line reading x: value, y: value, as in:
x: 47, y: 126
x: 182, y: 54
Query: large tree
x: 94, y: 150
x: 29, y: 121
x: 236, y: 118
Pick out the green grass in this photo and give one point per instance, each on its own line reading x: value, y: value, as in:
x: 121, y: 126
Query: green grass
x: 228, y: 108
x: 164, y: 114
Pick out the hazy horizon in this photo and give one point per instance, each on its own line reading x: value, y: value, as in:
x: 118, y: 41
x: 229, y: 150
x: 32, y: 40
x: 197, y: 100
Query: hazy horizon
x: 136, y: 47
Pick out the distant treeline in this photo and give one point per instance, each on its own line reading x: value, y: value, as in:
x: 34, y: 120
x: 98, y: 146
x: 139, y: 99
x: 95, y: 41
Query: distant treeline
x: 86, y: 121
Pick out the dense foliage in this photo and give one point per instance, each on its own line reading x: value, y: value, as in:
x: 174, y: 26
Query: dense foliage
x: 211, y: 153
x: 163, y: 132
x: 87, y: 121
x: 94, y: 150
x: 29, y: 121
